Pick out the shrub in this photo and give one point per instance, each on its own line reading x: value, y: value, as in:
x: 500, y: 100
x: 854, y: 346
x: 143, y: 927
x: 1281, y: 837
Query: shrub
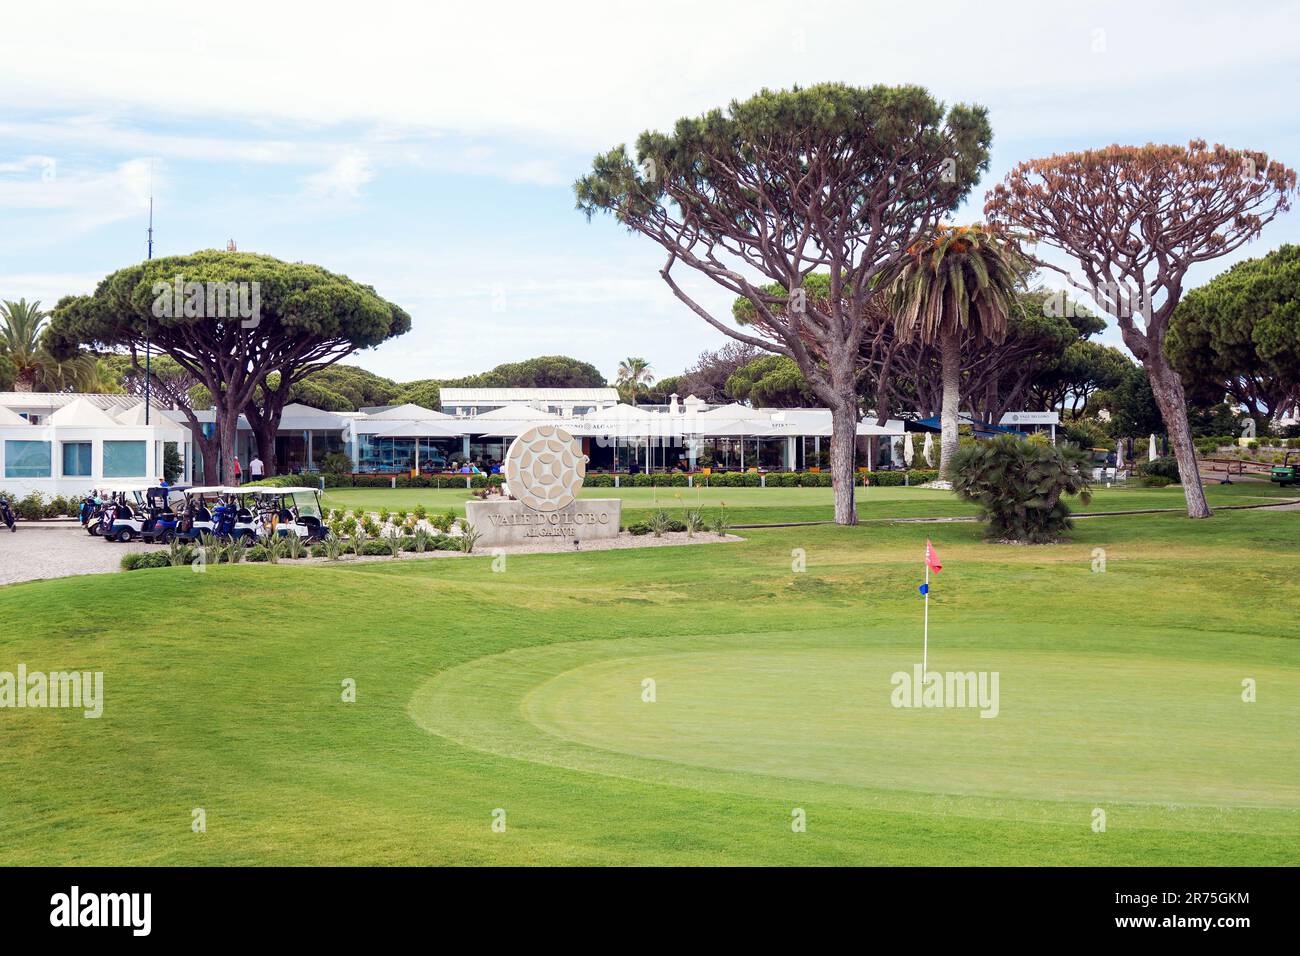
x: 659, y: 522
x: 178, y: 553
x: 237, y: 550
x: 638, y: 528
x: 1087, y: 433
x: 469, y: 536
x: 259, y: 553
x: 294, y: 547
x: 139, y: 560
x: 1156, y: 481
x: 336, y: 463
x: 1019, y: 487
x: 1166, y: 467
x: 30, y: 507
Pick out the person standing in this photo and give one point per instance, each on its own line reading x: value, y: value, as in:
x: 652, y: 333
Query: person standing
x: 255, y: 469
x: 239, y: 473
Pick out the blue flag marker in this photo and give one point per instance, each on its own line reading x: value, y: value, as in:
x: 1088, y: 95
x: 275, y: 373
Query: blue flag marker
x: 924, y: 589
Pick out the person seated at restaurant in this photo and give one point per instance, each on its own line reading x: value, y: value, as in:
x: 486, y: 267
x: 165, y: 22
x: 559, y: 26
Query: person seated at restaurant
x: 465, y: 469
x: 496, y: 467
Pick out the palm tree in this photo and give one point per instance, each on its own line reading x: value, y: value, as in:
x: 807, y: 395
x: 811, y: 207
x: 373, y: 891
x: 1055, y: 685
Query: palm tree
x: 961, y: 281
x: 633, y: 376
x: 35, y: 368
x: 20, y: 339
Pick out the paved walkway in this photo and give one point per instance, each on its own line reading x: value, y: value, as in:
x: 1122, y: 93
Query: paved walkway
x: 56, y: 549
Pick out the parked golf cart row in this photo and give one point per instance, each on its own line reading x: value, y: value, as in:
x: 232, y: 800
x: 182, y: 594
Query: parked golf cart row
x: 159, y: 514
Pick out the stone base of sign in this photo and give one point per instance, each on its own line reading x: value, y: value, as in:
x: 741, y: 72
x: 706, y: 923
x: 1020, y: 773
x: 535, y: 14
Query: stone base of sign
x: 506, y: 522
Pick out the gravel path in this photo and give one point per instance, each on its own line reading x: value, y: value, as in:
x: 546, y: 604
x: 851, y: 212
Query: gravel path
x: 56, y: 549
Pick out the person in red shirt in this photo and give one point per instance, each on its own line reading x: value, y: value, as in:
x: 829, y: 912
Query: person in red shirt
x: 239, y: 477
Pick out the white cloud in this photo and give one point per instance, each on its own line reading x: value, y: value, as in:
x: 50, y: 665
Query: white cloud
x: 342, y: 179
x: 591, y: 73
x: 68, y: 200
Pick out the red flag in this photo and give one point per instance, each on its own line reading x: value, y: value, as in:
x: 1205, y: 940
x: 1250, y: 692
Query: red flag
x: 932, y: 559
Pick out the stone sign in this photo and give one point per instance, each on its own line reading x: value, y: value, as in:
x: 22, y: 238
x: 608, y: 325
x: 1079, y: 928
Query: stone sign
x: 544, y: 469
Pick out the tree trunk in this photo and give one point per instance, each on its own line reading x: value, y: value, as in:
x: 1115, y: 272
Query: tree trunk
x: 844, y: 440
x: 227, y: 434
x: 1167, y: 388
x: 264, y: 433
x: 948, y: 423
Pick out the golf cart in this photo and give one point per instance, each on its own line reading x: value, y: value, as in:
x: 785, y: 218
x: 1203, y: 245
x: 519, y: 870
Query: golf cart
x: 163, y: 506
x: 1285, y: 473
x: 139, y: 510
x: 224, y: 511
x: 196, y: 518
x: 286, y: 511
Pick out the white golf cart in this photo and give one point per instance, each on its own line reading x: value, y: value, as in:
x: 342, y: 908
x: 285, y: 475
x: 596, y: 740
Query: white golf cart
x: 135, y: 508
x: 296, y: 511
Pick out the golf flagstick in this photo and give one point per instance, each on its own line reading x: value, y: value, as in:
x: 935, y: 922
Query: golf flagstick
x: 931, y: 563
x: 925, y: 630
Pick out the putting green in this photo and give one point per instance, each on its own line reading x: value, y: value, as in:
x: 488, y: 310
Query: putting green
x: 789, y: 713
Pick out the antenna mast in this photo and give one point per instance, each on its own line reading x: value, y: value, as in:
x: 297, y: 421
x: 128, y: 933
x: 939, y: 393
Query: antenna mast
x: 148, y: 350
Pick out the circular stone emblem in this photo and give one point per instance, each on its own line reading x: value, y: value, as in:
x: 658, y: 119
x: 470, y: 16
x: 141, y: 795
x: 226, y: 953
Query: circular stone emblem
x: 545, y: 467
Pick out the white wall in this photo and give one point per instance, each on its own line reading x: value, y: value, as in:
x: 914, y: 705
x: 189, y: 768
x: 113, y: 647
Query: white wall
x: 153, y: 436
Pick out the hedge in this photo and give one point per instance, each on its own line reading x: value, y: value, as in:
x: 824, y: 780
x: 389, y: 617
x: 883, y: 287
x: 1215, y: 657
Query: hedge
x: 34, y: 507
x: 729, y: 479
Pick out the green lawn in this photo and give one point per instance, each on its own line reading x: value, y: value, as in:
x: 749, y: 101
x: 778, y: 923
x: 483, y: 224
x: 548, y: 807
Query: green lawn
x: 522, y: 690
x: 767, y: 505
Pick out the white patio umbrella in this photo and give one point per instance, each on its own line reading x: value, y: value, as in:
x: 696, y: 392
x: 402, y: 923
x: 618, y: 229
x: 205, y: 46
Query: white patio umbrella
x: 908, y: 452
x: 1151, y: 449
x: 1119, y: 453
x: 927, y: 450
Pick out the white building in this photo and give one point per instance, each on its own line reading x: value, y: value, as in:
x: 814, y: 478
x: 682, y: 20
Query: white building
x: 68, y: 444
x: 565, y: 402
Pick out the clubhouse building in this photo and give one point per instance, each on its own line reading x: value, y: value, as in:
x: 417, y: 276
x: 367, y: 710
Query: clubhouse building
x: 66, y: 443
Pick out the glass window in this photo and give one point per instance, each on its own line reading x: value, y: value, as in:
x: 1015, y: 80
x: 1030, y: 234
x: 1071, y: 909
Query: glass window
x: 124, y: 459
x: 76, y: 459
x: 27, y: 459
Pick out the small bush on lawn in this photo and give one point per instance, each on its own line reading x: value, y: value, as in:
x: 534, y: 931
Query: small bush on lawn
x: 1020, y: 487
x: 139, y: 560
x: 1155, y: 481
x: 1166, y: 467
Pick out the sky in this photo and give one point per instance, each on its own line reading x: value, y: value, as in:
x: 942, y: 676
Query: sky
x: 429, y: 150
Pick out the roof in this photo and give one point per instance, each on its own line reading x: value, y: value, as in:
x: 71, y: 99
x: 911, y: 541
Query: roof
x: 82, y: 413
x: 11, y: 418
x: 59, y: 399
x: 457, y: 396
x: 513, y: 413
x: 739, y: 412
x: 407, y: 413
